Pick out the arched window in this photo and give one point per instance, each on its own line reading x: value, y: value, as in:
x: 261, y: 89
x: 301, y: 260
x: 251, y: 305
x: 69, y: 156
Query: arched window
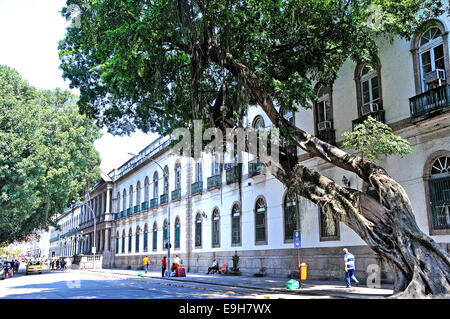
x: 236, y: 225
x: 432, y: 55
x: 166, y: 180
x: 215, y: 228
x: 198, y: 171
x: 130, y: 235
x: 260, y: 221
x: 368, y: 90
x: 165, y: 229
x: 138, y: 193
x: 177, y: 232
x: 117, y: 242
x: 146, y: 190
x: 198, y: 230
x: 124, y: 200
x: 323, y: 115
x: 439, y: 192
x: 329, y: 226
x: 290, y: 216
x: 258, y: 122
x: 145, y: 238
x: 155, y: 236
x: 131, y: 198
x: 123, y: 241
x: 178, y: 175
x: 138, y: 232
x: 155, y: 185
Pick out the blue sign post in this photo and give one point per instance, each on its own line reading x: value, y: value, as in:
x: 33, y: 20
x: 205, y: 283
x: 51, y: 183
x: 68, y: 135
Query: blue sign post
x: 298, y: 244
x: 297, y: 239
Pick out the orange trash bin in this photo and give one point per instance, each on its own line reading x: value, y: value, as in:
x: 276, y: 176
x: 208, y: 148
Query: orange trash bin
x: 303, y: 271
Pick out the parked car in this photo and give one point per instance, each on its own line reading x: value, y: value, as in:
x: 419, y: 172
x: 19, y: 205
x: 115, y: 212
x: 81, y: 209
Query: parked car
x: 34, y: 266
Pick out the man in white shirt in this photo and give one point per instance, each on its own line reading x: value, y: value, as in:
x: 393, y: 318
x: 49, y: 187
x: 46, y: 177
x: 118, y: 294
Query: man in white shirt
x: 349, y: 263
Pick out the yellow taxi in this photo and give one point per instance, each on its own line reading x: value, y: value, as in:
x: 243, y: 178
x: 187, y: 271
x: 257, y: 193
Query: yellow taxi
x: 34, y: 266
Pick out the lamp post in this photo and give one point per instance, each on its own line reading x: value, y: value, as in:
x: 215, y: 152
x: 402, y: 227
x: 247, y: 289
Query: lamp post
x: 165, y: 174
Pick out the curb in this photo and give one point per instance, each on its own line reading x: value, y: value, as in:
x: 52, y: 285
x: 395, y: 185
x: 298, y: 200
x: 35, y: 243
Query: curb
x: 335, y: 294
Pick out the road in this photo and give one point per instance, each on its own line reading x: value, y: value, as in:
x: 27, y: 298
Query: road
x: 81, y: 285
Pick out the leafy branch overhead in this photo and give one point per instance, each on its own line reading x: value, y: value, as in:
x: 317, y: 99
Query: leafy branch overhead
x: 376, y: 140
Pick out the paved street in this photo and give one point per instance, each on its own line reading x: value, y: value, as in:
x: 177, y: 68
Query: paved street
x: 86, y: 285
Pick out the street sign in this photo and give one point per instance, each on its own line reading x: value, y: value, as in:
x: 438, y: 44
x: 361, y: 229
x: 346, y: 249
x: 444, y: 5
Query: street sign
x: 297, y: 239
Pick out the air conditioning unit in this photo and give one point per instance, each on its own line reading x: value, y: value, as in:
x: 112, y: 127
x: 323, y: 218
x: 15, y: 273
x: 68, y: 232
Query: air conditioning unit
x: 325, y: 125
x: 437, y: 75
x: 369, y: 108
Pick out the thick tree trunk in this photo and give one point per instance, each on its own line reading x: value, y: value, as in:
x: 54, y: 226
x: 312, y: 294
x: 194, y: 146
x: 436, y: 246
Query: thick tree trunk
x: 420, y: 266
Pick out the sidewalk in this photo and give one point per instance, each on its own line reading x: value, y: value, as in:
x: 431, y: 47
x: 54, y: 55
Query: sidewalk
x: 268, y: 284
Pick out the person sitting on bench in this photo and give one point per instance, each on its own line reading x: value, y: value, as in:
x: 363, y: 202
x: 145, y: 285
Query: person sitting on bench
x: 214, y: 267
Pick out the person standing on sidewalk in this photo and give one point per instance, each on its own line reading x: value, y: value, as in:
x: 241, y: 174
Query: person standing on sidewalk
x: 145, y: 260
x: 349, y: 263
x: 163, y: 265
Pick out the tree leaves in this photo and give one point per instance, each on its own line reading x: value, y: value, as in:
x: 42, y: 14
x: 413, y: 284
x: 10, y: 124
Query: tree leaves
x: 47, y: 156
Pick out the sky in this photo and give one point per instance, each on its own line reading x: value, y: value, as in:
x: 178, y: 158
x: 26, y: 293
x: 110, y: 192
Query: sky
x: 29, y: 35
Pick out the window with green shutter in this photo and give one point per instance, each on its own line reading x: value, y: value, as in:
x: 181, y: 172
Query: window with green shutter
x: 439, y: 191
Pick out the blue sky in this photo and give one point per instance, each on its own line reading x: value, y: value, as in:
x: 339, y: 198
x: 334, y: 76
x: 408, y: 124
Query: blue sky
x: 29, y: 35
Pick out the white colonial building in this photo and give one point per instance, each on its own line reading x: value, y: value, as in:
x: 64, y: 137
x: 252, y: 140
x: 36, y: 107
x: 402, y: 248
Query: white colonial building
x: 209, y: 210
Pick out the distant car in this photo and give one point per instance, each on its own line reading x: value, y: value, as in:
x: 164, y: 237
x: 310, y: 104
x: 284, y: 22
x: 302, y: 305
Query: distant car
x: 7, y: 269
x: 2, y: 272
x: 34, y: 266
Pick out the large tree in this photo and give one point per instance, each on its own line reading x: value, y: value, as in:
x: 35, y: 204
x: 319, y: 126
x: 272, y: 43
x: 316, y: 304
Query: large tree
x: 47, y: 157
x: 158, y: 65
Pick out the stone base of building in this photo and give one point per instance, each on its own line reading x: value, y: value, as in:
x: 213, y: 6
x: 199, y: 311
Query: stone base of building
x: 323, y: 263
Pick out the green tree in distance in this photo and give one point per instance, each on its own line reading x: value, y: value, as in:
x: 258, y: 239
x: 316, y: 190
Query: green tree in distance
x: 159, y: 65
x: 47, y: 157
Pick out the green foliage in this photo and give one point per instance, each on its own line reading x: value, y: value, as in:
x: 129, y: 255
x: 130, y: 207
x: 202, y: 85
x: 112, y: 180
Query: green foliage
x: 147, y: 65
x: 375, y: 140
x: 47, y: 155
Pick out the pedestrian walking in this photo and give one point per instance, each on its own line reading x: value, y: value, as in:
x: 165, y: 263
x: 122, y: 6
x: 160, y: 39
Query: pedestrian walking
x: 145, y: 260
x: 349, y: 264
x: 57, y: 263
x: 163, y: 265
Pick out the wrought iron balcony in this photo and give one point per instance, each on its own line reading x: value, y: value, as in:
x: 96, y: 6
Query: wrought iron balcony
x: 430, y: 102
x: 144, y: 206
x: 154, y: 203
x: 197, y: 188
x: 233, y: 174
x: 214, y: 182
x: 176, y: 194
x: 255, y: 167
x: 129, y: 211
x: 327, y: 135
x: 378, y: 115
x: 136, y: 209
x: 164, y: 199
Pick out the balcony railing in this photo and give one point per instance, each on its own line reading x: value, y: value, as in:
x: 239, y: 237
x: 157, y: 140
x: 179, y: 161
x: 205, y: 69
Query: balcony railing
x: 378, y: 115
x: 136, y: 209
x: 144, y: 206
x: 214, y: 182
x: 123, y: 214
x: 176, y: 194
x: 164, y: 199
x: 430, y: 102
x: 327, y: 135
x: 255, y: 167
x: 197, y: 188
x: 233, y: 174
x: 154, y: 203
x: 129, y: 211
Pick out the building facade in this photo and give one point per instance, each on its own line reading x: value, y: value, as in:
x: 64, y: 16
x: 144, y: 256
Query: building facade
x: 206, y: 209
